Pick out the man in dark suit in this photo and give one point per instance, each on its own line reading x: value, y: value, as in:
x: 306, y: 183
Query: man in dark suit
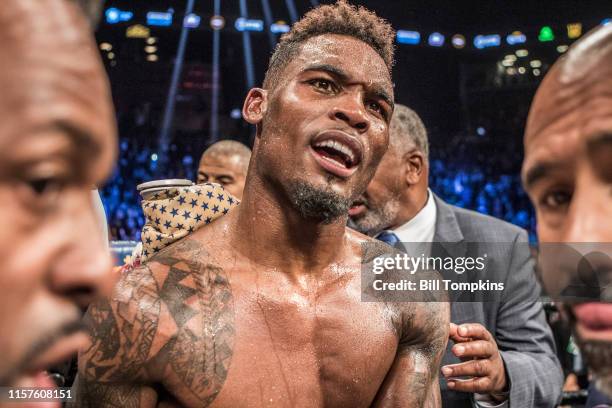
x: 502, y: 350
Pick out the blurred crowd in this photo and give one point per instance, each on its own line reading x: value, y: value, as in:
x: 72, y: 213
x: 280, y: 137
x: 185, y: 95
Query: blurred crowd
x: 466, y: 172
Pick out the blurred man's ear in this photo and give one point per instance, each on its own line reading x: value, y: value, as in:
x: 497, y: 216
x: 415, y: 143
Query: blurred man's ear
x: 414, y: 164
x: 93, y: 10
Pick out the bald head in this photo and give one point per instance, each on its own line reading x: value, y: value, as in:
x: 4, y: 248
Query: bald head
x: 567, y: 173
x: 583, y: 73
x: 226, y: 163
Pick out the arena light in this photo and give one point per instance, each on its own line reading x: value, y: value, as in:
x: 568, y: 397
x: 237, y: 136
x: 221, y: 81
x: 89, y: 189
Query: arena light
x: 246, y: 24
x: 516, y: 38
x: 114, y: 15
x: 137, y: 31
x: 510, y: 57
x: 159, y: 18
x: 435, y: 40
x: 522, y: 70
x: 151, y: 40
x: 511, y: 71
x: 217, y: 22
x: 507, y: 63
x: 522, y: 53
x: 236, y: 113
x: 150, y: 49
x: 536, y: 72
x: 408, y: 37
x: 279, y: 27
x: 152, y: 57
x: 192, y: 20
x: 458, y: 41
x: 106, y: 46
x: 574, y: 30
x: 562, y: 48
x: 546, y: 34
x: 485, y: 41
x: 111, y: 55
x: 535, y: 63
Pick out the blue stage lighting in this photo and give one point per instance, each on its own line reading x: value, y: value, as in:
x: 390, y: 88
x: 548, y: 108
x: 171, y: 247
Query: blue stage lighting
x: 192, y: 20
x: 245, y: 24
x: 278, y: 28
x: 436, y: 40
x: 484, y: 41
x: 157, y: 18
x: 516, y: 38
x: 113, y: 15
x: 408, y: 37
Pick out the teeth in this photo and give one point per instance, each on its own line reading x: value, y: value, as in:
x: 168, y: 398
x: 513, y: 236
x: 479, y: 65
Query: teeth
x: 339, y: 147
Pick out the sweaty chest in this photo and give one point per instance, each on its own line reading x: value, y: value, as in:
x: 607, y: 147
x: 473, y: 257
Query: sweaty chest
x: 243, y: 345
x: 295, y: 349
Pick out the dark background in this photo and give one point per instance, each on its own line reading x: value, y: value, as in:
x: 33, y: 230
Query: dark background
x: 473, y: 109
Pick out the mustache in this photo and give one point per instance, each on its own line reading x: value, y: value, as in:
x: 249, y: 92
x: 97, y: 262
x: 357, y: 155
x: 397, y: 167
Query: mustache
x: 42, y: 345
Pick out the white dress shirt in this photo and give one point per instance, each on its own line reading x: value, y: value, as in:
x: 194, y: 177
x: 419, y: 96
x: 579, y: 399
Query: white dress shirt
x: 422, y: 229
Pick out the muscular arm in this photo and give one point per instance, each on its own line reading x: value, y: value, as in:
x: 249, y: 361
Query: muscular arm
x: 112, y: 371
x: 412, y: 380
x: 154, y: 332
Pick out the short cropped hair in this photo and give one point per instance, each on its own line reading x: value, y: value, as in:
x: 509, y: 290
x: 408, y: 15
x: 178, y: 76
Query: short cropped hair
x: 340, y: 18
x: 407, y: 129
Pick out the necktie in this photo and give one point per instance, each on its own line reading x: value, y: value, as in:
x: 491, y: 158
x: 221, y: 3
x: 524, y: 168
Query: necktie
x: 388, y: 237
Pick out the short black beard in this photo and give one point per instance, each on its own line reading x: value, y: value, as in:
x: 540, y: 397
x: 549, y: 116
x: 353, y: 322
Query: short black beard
x: 598, y: 355
x: 317, y: 204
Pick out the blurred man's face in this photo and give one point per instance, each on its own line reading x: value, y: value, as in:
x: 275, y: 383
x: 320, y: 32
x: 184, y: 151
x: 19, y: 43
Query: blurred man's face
x: 326, y: 125
x: 378, y: 207
x: 568, y: 175
x: 227, y: 170
x: 57, y: 140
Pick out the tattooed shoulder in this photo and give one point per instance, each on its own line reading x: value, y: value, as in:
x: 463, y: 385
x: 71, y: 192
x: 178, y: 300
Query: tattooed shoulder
x: 169, y: 321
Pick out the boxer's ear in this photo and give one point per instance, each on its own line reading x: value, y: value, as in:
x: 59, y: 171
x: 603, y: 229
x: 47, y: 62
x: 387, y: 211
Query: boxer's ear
x: 255, y: 106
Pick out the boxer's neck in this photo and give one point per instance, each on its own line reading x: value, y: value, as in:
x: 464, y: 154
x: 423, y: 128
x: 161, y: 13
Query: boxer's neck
x: 271, y: 232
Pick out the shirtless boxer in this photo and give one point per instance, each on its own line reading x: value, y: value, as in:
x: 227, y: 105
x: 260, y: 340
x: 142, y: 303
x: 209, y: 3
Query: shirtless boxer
x: 263, y: 306
x: 226, y: 163
x: 57, y: 140
x: 568, y: 175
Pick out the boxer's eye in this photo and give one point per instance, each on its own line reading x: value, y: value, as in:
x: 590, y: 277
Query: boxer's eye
x: 377, y: 107
x: 324, y: 85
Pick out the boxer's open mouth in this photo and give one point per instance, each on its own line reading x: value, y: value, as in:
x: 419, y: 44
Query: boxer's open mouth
x: 337, y: 152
